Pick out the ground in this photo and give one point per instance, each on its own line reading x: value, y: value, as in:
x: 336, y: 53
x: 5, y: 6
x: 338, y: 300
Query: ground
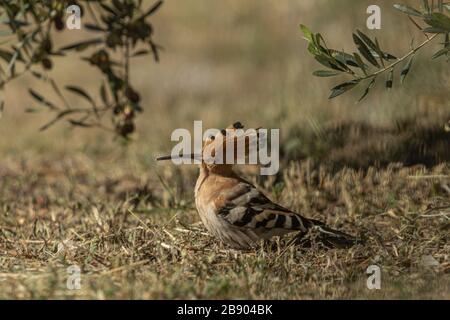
x: 134, y: 235
x: 379, y: 169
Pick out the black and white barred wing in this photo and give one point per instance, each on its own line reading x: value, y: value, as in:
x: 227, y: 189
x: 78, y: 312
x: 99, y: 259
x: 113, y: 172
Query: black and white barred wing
x: 244, y: 206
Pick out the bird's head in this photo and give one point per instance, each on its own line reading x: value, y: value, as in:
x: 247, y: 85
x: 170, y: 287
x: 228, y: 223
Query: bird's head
x: 224, y: 148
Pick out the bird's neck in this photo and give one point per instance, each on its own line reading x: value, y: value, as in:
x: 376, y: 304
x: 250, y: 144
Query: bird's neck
x: 210, y: 171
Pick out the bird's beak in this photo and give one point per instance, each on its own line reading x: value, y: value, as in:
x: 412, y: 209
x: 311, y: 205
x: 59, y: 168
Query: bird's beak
x: 164, y: 158
x: 191, y: 156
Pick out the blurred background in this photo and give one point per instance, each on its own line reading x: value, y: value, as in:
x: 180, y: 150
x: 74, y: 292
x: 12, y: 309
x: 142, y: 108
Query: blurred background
x: 227, y: 61
x: 231, y: 60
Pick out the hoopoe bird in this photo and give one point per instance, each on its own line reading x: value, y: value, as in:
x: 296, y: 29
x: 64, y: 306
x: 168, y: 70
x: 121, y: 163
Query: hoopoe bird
x: 236, y: 212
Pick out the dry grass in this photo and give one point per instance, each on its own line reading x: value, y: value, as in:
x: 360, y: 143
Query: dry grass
x: 136, y: 236
x: 132, y: 238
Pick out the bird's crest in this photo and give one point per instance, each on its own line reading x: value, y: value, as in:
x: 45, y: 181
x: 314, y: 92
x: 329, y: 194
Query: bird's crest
x: 231, y: 145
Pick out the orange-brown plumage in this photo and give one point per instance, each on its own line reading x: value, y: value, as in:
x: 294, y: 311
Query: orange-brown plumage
x: 236, y: 212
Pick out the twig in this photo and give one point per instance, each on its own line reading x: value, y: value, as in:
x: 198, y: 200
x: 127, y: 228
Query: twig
x: 122, y: 268
x: 435, y: 209
x: 400, y: 60
x: 435, y: 215
x: 430, y: 177
x: 139, y: 219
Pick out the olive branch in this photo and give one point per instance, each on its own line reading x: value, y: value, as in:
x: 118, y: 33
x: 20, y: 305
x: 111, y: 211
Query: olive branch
x: 377, y: 61
x: 118, y: 26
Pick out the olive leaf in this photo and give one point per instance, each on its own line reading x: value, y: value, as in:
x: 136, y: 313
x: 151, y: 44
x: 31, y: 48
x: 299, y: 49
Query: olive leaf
x: 406, y: 69
x: 370, y: 86
x: 152, y: 9
x: 81, y: 92
x: 325, y: 73
x: 438, y: 20
x: 342, y: 88
x: 390, y: 79
x: 364, y: 50
x: 39, y: 98
x: 440, y: 53
x: 379, y: 61
x: 80, y: 46
x: 124, y: 29
x: 408, y: 10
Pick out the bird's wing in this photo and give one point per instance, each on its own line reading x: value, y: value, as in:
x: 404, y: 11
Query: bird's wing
x: 245, y: 206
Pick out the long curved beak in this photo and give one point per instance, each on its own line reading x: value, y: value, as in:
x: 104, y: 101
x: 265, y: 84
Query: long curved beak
x: 191, y: 156
x: 164, y: 158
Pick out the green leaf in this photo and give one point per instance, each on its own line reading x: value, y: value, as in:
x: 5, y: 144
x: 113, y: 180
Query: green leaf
x: 441, y: 53
x: 438, y: 20
x: 364, y: 50
x: 329, y: 62
x: 155, y: 50
x: 386, y: 56
x: 325, y: 73
x: 379, y: 53
x: 344, y: 57
x: 80, y: 92
x: 342, y: 88
x: 360, y: 63
x: 307, y: 33
x: 38, y: 75
x: 39, y: 98
x: 406, y: 69
x: 141, y: 52
x: 370, y: 86
x: 153, y: 9
x: 103, y: 94
x: 77, y: 123
x: 313, y: 48
x: 82, y: 45
x: 390, y: 79
x: 318, y: 40
x: 408, y: 10
x: 56, y: 119
x: 367, y: 40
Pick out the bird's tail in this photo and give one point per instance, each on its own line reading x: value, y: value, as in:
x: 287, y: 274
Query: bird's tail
x: 333, y: 238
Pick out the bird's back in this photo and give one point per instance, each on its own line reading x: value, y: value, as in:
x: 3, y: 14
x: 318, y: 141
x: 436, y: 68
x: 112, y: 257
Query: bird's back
x: 235, y: 211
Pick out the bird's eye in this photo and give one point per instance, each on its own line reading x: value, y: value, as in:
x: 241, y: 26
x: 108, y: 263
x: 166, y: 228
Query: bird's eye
x: 212, y: 138
x: 224, y: 132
